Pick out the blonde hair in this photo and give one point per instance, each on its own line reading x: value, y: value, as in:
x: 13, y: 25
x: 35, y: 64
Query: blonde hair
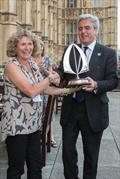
x: 40, y: 45
x: 16, y: 37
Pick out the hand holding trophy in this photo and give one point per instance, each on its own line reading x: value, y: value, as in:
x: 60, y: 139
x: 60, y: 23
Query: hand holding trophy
x: 75, y: 62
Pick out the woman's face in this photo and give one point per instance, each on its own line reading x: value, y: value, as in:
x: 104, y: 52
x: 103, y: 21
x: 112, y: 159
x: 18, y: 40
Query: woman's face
x: 24, y: 48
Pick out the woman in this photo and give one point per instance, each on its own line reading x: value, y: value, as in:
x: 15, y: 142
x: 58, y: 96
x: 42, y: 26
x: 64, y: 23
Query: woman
x: 46, y: 66
x: 44, y: 62
x: 22, y: 109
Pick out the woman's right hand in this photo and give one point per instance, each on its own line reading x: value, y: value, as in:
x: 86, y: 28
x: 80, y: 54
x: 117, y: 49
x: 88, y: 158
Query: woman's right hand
x: 55, y: 79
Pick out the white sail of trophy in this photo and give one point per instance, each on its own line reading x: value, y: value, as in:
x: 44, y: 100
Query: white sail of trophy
x: 66, y: 62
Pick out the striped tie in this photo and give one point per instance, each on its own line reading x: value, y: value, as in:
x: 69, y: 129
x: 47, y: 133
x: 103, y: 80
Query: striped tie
x: 85, y: 48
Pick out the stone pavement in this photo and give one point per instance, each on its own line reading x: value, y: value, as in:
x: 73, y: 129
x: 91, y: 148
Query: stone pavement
x: 109, y: 159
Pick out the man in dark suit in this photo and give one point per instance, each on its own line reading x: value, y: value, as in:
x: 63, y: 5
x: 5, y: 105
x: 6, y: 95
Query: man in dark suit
x: 89, y: 114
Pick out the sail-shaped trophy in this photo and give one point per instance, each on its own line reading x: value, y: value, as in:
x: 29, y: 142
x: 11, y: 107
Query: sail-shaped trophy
x: 74, y: 56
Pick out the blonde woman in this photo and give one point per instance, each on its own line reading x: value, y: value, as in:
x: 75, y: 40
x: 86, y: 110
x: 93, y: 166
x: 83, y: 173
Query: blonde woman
x: 24, y: 87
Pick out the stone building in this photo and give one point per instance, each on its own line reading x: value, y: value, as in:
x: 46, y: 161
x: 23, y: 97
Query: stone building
x: 55, y: 21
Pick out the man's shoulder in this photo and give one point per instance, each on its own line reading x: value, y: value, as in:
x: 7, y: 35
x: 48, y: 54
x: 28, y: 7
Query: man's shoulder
x: 104, y: 47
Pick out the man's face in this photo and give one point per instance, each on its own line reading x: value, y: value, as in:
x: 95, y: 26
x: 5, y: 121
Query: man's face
x: 87, y: 33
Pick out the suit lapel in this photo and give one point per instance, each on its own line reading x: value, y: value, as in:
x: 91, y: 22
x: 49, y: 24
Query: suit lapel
x: 96, y: 55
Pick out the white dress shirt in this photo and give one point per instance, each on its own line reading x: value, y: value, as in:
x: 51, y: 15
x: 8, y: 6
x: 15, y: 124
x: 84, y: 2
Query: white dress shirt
x: 89, y: 50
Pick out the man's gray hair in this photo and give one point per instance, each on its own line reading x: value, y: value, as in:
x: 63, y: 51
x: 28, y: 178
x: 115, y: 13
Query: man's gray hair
x: 94, y: 19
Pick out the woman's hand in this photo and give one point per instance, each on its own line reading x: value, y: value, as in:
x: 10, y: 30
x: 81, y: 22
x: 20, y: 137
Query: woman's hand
x: 44, y: 70
x: 68, y: 91
x: 56, y: 81
x: 53, y: 75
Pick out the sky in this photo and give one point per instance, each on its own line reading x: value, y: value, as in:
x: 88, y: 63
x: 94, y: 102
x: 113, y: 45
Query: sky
x: 118, y: 25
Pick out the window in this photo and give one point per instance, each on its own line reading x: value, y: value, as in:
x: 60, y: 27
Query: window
x: 71, y: 32
x: 71, y: 3
x: 97, y: 3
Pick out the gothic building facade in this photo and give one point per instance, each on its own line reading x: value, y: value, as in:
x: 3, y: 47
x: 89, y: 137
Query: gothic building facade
x: 55, y: 21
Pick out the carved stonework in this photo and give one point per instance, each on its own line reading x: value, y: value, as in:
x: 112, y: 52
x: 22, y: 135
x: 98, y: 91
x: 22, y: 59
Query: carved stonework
x: 55, y: 22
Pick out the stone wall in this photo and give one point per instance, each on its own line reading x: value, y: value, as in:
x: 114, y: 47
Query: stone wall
x: 50, y: 20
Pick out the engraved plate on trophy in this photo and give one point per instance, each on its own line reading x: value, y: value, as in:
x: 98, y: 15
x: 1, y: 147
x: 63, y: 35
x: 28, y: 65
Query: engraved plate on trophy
x: 75, y: 62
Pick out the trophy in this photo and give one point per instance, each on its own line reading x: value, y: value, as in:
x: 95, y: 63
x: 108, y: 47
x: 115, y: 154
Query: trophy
x: 74, y: 56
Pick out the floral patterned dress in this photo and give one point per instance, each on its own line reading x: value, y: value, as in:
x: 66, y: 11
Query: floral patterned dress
x: 21, y: 114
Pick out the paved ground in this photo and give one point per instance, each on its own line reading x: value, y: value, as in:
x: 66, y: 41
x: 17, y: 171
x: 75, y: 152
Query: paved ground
x: 109, y: 159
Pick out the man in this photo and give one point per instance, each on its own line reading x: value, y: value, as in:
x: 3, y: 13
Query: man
x: 89, y: 115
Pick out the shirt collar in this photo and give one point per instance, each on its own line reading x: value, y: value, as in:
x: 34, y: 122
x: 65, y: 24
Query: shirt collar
x: 91, y: 46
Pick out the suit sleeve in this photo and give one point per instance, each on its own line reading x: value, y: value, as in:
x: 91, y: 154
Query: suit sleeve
x: 110, y: 80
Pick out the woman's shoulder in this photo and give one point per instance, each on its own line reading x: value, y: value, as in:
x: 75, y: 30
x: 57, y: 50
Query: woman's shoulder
x: 11, y: 65
x: 12, y: 61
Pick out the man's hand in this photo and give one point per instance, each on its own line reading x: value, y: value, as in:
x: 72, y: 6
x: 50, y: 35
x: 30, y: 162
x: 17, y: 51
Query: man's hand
x: 91, y: 86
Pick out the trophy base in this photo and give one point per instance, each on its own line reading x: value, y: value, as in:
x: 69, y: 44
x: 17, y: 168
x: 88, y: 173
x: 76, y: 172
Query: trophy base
x: 77, y: 82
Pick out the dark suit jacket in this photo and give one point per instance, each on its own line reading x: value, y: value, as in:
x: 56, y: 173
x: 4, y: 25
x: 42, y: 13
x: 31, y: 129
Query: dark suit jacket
x: 102, y: 68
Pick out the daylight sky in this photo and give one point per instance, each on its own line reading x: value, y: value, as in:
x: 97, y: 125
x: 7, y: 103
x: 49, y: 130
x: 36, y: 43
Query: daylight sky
x: 118, y: 25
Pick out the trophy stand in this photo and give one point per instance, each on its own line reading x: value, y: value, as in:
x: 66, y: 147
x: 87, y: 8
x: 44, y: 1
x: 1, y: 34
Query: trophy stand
x: 78, y: 82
